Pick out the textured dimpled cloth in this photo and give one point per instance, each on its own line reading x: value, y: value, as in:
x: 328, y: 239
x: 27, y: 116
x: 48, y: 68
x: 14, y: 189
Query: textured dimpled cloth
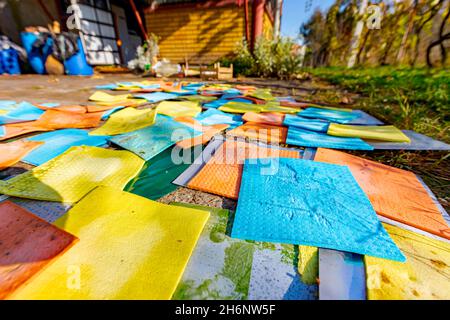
x: 306, y: 124
x: 18, y: 129
x: 54, y: 119
x: 70, y: 176
x: 22, y: 112
x: 27, y: 245
x: 329, y: 114
x: 309, y: 203
x: 306, y: 138
x: 101, y: 96
x: 57, y: 142
x: 151, y: 141
x: 275, y: 119
x: 423, y: 277
x: 378, y: 133
x: 394, y: 193
x: 222, y: 174
x: 13, y: 152
x: 130, y: 248
x: 212, y: 117
x: 126, y: 120
x: 179, y: 108
x: 261, y: 132
x: 240, y: 107
x: 156, y: 96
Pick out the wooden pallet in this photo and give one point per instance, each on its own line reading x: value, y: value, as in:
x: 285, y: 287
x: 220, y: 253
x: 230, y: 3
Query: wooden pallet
x: 216, y: 72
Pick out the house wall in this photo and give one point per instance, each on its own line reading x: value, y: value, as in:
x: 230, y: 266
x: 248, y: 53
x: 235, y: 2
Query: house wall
x: 268, y: 26
x: 200, y: 35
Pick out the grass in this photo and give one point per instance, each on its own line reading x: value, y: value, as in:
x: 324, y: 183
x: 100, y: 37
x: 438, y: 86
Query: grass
x: 414, y: 99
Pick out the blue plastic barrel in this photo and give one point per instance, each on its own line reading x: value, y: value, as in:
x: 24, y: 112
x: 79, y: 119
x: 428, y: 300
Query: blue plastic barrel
x: 1, y: 66
x: 9, y: 61
x: 36, y: 56
x: 77, y: 64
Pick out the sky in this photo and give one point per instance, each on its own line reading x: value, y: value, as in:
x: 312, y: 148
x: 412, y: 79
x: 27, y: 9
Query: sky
x: 295, y: 13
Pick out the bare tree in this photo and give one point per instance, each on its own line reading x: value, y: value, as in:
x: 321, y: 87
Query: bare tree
x: 427, y: 16
x: 354, y: 46
x: 403, y: 45
x: 440, y: 41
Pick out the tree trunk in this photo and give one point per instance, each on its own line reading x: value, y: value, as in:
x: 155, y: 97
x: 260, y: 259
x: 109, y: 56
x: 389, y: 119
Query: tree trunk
x: 433, y: 11
x: 440, y: 42
x: 354, y: 46
x: 402, y: 50
x: 277, y: 22
x: 363, y: 46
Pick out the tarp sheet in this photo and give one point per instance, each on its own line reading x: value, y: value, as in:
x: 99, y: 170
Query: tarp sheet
x: 305, y: 138
x: 126, y: 120
x: 418, y: 142
x: 423, y: 277
x: 58, y: 142
x: 130, y: 248
x: 275, y: 274
x: 151, y: 141
x: 13, y: 152
x: 394, y: 193
x: 46, y: 210
x: 342, y: 276
x: 365, y: 119
x: 70, y: 176
x: 28, y: 244
x: 309, y: 203
x: 378, y: 133
x: 233, y: 269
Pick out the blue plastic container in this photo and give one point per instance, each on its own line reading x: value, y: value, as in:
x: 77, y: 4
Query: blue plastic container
x: 36, y: 57
x: 77, y: 64
x: 9, y: 61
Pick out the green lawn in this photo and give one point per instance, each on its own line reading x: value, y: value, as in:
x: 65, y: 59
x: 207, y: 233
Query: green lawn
x: 416, y: 99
